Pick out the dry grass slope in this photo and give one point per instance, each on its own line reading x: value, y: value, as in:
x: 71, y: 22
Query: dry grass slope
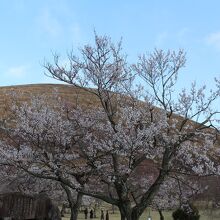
x: 70, y: 94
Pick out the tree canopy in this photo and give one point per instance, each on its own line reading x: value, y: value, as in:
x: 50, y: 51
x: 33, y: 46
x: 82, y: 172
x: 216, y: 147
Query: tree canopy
x: 139, y: 134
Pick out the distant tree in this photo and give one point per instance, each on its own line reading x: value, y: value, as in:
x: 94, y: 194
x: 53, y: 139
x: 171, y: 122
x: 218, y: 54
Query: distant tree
x: 127, y: 145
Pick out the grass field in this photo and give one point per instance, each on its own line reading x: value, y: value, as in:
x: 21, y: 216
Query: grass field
x: 205, y: 215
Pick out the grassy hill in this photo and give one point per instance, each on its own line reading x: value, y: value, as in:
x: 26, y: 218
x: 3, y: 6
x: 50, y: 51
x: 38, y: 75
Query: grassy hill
x: 69, y: 94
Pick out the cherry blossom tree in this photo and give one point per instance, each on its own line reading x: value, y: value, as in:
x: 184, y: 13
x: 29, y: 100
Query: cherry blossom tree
x: 124, y: 148
x: 174, y: 131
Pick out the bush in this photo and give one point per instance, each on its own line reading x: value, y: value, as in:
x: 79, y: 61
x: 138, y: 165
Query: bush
x: 186, y: 212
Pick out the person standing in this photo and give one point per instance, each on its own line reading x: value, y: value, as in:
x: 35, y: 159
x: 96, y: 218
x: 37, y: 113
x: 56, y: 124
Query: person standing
x: 86, y: 213
x: 107, y: 215
x: 102, y: 215
x: 91, y: 214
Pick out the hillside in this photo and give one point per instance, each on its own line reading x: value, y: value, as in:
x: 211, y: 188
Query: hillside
x: 70, y: 94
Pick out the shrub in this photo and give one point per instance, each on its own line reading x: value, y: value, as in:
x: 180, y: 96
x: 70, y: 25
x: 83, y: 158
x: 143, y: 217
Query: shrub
x: 186, y: 212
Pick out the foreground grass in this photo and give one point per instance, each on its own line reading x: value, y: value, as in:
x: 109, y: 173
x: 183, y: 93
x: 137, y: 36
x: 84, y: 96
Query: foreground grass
x: 205, y: 215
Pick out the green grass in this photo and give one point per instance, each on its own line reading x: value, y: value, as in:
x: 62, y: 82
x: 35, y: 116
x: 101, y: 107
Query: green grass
x: 205, y: 215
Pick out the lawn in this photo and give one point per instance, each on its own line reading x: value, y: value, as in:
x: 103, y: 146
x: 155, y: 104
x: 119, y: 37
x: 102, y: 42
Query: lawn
x: 205, y: 215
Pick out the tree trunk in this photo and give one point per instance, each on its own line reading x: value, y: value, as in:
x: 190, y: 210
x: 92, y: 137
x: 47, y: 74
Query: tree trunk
x: 161, y: 215
x: 127, y: 213
x: 74, y: 205
x: 95, y: 209
x: 123, y: 217
x: 74, y: 213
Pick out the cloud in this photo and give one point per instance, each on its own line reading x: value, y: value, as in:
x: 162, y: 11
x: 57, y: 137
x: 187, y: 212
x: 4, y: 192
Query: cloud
x: 58, y: 22
x: 161, y: 38
x: 17, y: 71
x: 179, y: 37
x: 182, y: 34
x: 49, y: 23
x: 213, y: 39
x: 76, y: 32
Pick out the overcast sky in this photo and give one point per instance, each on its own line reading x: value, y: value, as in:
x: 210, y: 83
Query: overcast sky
x: 32, y: 29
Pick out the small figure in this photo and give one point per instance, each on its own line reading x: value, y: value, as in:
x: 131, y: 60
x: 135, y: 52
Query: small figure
x: 86, y: 213
x: 107, y: 215
x: 102, y: 215
x: 91, y: 214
